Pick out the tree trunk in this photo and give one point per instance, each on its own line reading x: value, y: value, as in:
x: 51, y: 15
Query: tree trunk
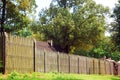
x: 3, y: 16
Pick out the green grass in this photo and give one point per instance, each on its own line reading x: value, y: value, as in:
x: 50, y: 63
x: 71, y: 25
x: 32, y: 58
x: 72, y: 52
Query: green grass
x: 55, y: 76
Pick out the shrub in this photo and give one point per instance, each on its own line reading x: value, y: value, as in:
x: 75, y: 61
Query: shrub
x: 14, y: 76
x: 116, y: 56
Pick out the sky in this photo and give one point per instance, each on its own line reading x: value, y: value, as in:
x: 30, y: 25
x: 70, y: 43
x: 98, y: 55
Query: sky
x: 45, y: 3
x: 108, y: 3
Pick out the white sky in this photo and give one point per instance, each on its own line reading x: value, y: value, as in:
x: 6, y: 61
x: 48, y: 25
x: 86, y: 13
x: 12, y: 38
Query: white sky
x: 109, y: 3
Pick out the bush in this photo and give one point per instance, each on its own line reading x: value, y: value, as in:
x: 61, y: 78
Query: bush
x: 14, y: 76
x: 82, y: 53
x: 115, y: 56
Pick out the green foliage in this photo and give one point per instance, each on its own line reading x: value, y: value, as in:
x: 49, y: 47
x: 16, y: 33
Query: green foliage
x: 102, y: 49
x: 115, y: 56
x: 116, y: 26
x: 105, y: 48
x: 37, y: 31
x: 90, y: 24
x: 74, y: 29
x: 99, y: 53
x: 18, y: 14
x: 14, y: 76
x: 82, y: 53
x: 24, y: 32
x: 1, y: 79
x: 61, y: 30
x: 17, y: 76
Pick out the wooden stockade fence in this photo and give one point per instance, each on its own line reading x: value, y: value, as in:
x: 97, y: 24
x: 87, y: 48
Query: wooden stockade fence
x: 22, y: 55
x: 64, y: 63
x: 21, y: 51
x: 19, y: 54
x: 119, y: 68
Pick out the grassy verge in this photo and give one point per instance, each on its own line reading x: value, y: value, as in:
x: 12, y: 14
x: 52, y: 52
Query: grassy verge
x: 55, y: 76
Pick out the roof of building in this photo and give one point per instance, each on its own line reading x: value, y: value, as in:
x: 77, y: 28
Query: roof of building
x: 45, y: 46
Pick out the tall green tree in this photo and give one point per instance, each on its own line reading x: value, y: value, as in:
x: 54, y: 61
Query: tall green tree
x: 79, y: 26
x: 90, y: 23
x: 116, y: 26
x: 18, y: 14
x: 61, y: 30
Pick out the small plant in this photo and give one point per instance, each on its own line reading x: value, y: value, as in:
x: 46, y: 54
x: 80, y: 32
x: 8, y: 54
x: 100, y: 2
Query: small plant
x: 14, y: 76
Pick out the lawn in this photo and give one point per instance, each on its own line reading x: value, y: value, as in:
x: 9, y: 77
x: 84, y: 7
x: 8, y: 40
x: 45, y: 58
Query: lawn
x: 55, y: 76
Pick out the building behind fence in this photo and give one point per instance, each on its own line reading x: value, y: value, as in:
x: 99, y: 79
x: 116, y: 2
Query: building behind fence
x: 22, y: 55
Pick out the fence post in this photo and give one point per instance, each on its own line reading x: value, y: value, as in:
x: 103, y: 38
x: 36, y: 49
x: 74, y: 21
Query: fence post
x: 105, y: 66
x: 93, y: 66
x: 2, y: 35
x: 44, y: 62
x: 86, y: 65
x: 58, y: 63
x: 78, y: 66
x: 99, y: 65
x: 34, y: 57
x: 5, y: 36
x: 69, y: 63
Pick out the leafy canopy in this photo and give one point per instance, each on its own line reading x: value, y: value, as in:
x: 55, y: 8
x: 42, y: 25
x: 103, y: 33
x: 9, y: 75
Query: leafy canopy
x: 73, y: 24
x: 18, y: 13
x: 116, y: 26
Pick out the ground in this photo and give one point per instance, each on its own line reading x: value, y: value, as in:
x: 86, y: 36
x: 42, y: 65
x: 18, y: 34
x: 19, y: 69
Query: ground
x: 55, y: 76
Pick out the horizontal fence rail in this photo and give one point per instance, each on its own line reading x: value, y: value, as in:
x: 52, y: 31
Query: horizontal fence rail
x: 23, y: 55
